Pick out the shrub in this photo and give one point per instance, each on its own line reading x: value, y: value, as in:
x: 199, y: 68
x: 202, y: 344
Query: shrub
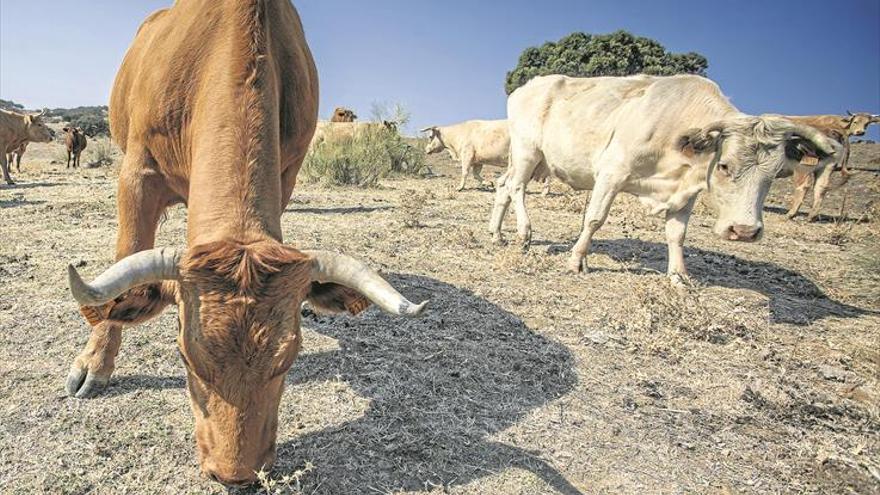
x: 361, y: 161
x: 92, y: 120
x: 588, y: 55
x: 99, y: 152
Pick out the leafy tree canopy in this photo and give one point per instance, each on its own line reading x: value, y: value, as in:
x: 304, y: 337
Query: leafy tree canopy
x: 616, y: 54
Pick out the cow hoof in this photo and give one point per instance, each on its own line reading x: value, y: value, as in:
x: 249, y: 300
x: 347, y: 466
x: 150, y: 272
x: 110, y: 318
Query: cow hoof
x: 84, y: 384
x: 498, y: 240
x: 812, y: 218
x: 679, y: 280
x: 10, y: 182
x: 577, y: 266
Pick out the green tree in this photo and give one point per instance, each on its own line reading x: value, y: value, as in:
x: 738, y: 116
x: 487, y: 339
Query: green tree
x: 616, y: 54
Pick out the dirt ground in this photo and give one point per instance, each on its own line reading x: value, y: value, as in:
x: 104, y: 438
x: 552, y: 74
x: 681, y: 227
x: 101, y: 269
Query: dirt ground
x: 521, y: 379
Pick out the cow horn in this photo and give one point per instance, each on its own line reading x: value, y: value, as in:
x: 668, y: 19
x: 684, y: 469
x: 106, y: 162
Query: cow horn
x: 849, y: 113
x: 426, y: 129
x: 347, y: 271
x: 820, y: 140
x: 141, y: 268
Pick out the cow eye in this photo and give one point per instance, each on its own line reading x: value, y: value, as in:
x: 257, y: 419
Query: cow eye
x: 724, y: 168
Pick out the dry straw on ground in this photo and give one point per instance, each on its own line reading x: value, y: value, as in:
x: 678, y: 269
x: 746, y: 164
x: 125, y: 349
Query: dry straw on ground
x: 760, y: 378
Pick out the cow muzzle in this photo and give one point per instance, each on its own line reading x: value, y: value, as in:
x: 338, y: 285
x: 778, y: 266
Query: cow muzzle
x: 743, y: 233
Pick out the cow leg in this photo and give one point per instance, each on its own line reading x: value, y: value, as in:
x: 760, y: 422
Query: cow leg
x: 4, y: 165
x: 502, y: 202
x: 467, y: 163
x: 143, y: 197
x: 596, y: 213
x: 512, y: 186
x: 18, y: 162
x: 676, y: 229
x: 477, y: 173
x: 820, y: 189
x: 802, y: 183
x: 68, y: 159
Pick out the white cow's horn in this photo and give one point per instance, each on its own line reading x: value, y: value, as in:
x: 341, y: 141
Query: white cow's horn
x: 821, y: 141
x: 347, y: 271
x: 141, y: 268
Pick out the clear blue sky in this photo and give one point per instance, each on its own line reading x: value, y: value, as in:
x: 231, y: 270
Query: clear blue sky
x: 446, y: 61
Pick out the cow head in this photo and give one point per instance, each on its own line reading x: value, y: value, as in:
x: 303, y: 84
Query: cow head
x: 239, y: 309
x: 435, y: 140
x: 37, y: 130
x: 857, y: 123
x: 744, y: 155
x: 341, y: 114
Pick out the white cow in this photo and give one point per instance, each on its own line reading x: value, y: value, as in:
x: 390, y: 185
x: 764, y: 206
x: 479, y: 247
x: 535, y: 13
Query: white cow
x: 475, y: 143
x: 663, y: 139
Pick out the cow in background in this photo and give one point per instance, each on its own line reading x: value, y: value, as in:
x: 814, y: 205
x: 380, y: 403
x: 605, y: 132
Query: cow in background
x: 75, y: 141
x: 837, y: 127
x: 17, y: 129
x: 475, y: 143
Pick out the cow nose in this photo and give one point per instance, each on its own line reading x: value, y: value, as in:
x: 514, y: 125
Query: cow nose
x: 744, y: 232
x: 230, y: 481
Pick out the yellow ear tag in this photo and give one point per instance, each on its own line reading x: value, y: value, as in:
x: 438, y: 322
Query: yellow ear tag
x: 810, y: 161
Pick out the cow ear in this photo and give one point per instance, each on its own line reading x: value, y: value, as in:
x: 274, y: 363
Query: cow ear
x: 696, y: 141
x: 335, y: 298
x: 803, y: 151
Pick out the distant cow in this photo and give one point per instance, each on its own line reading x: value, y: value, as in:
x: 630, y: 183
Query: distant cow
x: 475, y: 143
x: 839, y: 128
x: 15, y: 155
x: 334, y: 132
x: 342, y: 114
x: 17, y: 129
x: 662, y: 139
x: 75, y: 140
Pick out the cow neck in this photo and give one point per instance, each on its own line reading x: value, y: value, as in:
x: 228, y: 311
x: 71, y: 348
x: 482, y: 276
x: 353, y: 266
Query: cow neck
x: 235, y: 182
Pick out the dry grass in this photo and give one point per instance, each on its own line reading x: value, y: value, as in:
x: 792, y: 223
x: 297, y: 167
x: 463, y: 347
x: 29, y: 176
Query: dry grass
x: 761, y: 378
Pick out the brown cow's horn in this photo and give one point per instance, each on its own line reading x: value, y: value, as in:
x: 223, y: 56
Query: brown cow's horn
x: 347, y: 271
x: 141, y: 268
x: 849, y: 113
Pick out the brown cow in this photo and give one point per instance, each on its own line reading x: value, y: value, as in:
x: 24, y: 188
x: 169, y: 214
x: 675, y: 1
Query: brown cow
x: 839, y: 128
x: 214, y: 106
x: 17, y: 129
x: 342, y: 114
x: 75, y: 140
x: 15, y: 155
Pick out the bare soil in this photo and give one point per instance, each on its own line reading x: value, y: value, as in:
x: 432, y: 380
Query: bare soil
x: 521, y: 379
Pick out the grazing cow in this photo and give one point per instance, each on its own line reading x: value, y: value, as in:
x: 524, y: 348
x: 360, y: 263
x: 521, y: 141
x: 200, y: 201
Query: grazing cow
x: 342, y: 114
x: 839, y: 128
x: 214, y: 106
x: 75, y: 140
x: 16, y: 155
x: 475, y: 143
x: 17, y: 129
x: 663, y: 139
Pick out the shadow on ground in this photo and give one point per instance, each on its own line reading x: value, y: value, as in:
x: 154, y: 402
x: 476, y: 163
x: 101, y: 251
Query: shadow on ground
x: 440, y: 387
x: 794, y: 298
x: 344, y: 210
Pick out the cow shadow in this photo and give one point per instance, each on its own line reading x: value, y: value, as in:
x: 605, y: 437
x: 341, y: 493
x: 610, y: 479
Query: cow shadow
x: 344, y: 210
x: 440, y: 387
x: 15, y: 202
x: 126, y: 384
x: 793, y: 298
